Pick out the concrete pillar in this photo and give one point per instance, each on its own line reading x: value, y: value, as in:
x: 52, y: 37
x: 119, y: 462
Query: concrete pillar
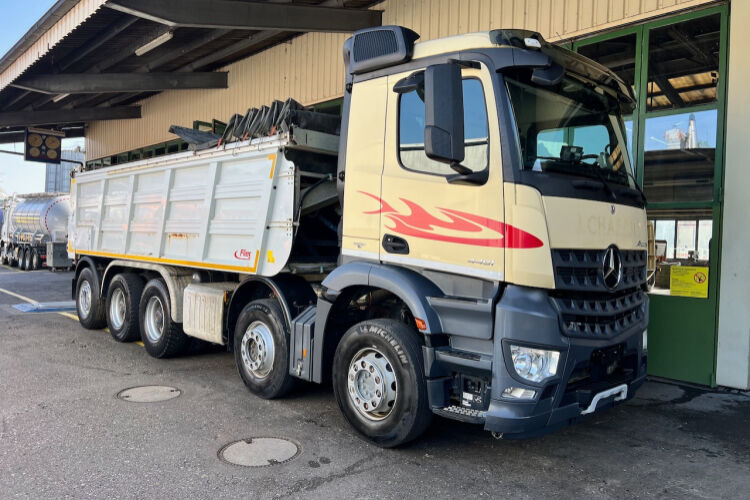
x: 733, y: 357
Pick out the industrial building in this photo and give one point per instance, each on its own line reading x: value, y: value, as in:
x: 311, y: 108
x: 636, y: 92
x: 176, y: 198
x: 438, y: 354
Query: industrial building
x: 121, y: 72
x: 57, y: 175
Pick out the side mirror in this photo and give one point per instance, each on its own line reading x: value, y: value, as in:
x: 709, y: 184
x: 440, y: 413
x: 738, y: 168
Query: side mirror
x: 444, y: 113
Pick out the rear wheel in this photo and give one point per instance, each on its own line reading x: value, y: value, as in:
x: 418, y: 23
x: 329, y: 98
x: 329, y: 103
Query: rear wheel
x: 162, y: 337
x: 36, y: 261
x: 89, y: 305
x: 378, y: 380
x: 123, y: 301
x: 27, y: 259
x: 261, y: 349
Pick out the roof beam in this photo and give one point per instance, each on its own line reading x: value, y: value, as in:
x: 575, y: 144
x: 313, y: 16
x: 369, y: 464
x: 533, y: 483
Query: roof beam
x: 227, y: 14
x: 97, y: 41
x: 12, y: 136
x: 59, y: 116
x: 85, y: 83
x: 218, y: 55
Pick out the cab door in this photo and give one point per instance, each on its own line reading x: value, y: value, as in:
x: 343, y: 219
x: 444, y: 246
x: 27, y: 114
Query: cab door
x: 425, y: 220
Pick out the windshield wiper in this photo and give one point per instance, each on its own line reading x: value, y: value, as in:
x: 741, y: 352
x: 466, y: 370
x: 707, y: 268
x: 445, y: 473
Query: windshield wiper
x: 596, y: 171
x: 635, y: 183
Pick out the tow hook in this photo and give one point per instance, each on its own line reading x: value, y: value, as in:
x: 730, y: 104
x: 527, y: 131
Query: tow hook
x: 497, y: 435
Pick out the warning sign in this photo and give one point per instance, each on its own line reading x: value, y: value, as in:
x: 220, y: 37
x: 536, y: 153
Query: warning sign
x: 688, y: 281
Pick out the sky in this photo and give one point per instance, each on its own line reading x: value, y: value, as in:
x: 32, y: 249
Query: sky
x: 16, y: 175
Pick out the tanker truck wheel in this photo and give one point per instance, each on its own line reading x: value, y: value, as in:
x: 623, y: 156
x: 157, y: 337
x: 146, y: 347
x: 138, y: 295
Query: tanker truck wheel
x: 36, y: 262
x: 378, y: 381
x: 123, y: 303
x: 261, y: 349
x: 162, y: 337
x: 27, y: 260
x: 89, y: 306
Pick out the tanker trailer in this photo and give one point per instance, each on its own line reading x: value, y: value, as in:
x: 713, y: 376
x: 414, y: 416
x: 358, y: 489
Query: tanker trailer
x: 35, y: 231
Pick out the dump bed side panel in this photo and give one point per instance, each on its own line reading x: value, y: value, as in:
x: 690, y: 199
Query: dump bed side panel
x: 229, y: 210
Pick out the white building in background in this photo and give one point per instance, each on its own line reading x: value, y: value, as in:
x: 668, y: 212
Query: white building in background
x: 57, y: 177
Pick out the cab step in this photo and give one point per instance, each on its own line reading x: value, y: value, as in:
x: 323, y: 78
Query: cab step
x: 461, y: 414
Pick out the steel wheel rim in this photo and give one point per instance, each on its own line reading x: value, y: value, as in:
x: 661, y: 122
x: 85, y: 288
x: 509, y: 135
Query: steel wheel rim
x: 155, y: 320
x: 371, y: 384
x: 117, y: 308
x: 257, y: 349
x: 84, y: 299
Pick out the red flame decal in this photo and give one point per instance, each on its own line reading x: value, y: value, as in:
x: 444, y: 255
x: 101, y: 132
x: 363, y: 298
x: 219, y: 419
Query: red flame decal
x: 421, y: 224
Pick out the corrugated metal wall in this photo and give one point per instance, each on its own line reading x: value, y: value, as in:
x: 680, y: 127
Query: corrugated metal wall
x: 310, y: 68
x: 66, y: 24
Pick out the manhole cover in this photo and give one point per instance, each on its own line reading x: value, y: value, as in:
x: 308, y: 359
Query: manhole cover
x: 149, y: 394
x: 260, y: 451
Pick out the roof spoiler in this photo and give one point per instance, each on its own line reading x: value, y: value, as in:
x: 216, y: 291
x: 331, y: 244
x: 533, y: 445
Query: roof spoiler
x: 375, y: 48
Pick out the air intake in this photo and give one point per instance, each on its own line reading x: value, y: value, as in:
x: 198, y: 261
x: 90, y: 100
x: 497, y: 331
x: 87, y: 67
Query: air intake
x: 376, y: 48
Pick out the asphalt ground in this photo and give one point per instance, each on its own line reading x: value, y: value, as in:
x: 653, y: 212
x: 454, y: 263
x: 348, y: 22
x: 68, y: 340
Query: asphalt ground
x: 63, y: 433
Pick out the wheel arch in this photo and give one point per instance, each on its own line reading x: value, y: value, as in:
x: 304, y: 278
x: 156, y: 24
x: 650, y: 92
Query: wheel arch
x: 176, y: 280
x: 344, y: 283
x: 291, y: 291
x: 83, y: 263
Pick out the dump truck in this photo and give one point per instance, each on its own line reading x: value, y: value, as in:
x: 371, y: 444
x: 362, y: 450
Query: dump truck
x: 34, y: 231
x: 469, y: 241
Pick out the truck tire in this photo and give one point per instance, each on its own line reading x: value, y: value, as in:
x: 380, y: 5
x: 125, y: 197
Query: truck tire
x: 27, y: 259
x: 89, y: 306
x: 261, y: 349
x: 162, y: 337
x: 122, y: 306
x: 379, y: 384
x: 36, y: 262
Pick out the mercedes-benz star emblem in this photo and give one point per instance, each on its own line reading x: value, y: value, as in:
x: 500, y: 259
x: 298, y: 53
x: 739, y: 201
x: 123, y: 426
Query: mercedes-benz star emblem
x: 612, y: 267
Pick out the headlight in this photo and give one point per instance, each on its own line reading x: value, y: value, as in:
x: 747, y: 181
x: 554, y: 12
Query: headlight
x: 534, y: 365
x: 645, y: 340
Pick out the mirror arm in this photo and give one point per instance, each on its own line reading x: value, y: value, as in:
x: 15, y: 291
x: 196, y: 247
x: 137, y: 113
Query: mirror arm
x: 462, y: 170
x: 476, y: 178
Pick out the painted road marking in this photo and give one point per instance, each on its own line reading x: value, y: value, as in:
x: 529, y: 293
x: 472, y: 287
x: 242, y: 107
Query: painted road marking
x: 66, y: 314
x: 14, y: 294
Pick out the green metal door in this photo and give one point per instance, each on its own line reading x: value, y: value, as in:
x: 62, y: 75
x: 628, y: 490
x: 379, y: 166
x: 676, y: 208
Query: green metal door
x: 677, y: 68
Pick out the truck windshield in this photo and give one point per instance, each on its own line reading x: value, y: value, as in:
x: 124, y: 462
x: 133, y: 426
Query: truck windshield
x: 570, y: 128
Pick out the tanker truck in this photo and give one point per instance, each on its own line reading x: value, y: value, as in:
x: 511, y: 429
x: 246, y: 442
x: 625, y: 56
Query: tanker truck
x: 35, y: 231
x: 468, y: 241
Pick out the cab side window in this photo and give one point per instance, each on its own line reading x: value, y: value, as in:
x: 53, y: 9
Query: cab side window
x: 411, y: 131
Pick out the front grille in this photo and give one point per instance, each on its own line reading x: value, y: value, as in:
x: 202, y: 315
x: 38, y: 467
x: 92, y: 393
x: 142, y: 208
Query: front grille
x: 587, y: 308
x: 581, y: 270
x: 597, y: 316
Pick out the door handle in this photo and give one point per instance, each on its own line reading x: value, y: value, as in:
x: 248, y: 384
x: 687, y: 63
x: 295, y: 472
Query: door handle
x: 394, y: 244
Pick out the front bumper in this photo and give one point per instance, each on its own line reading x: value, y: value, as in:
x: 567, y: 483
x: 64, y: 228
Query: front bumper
x: 587, y: 367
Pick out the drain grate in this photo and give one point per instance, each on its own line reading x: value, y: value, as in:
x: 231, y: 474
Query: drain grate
x: 149, y: 394
x: 46, y: 307
x: 260, y: 451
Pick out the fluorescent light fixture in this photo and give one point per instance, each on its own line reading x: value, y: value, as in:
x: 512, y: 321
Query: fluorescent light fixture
x: 59, y: 97
x: 154, y: 43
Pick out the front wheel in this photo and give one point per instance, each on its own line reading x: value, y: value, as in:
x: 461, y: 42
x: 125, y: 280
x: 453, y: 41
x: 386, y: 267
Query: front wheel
x: 261, y: 349
x: 378, y: 381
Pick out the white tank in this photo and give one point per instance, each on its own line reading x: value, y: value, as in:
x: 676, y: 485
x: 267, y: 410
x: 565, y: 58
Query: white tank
x: 41, y: 217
